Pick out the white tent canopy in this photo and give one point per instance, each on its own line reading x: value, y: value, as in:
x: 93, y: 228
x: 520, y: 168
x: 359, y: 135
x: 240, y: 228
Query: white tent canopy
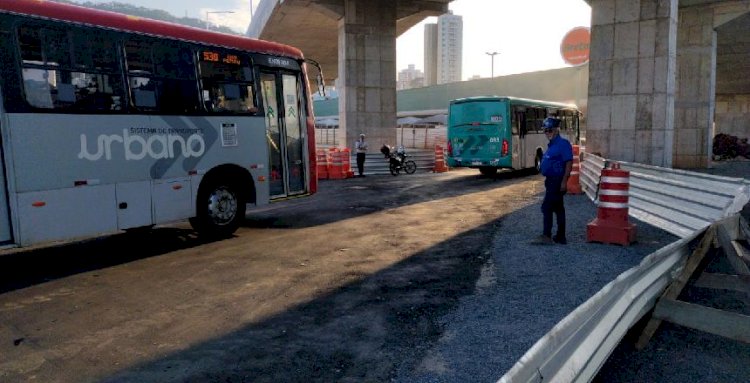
x: 438, y: 119
x: 327, y: 121
x: 407, y: 120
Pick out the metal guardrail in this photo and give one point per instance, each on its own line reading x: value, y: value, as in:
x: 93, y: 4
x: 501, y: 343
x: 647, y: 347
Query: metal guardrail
x: 680, y: 202
x: 575, y: 349
x: 377, y: 164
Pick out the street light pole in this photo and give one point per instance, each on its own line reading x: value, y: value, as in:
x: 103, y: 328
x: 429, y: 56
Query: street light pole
x: 492, y: 55
x: 210, y: 12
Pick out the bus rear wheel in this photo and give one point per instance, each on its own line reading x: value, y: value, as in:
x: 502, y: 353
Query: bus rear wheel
x: 220, y: 208
x: 487, y: 171
x: 538, y: 162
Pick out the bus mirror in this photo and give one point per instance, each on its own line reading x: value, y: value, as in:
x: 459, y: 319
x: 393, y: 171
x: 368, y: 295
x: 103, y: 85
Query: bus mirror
x: 321, y: 85
x: 319, y: 79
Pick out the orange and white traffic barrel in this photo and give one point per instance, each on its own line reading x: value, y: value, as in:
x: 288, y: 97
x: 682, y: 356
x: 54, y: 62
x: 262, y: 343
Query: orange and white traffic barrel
x: 439, y: 160
x: 336, y: 167
x: 346, y: 157
x: 321, y: 157
x: 611, y: 224
x: 574, y: 181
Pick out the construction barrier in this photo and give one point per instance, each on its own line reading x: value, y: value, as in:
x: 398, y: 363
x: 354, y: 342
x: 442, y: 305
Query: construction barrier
x: 321, y: 156
x: 611, y: 224
x: 347, y: 158
x: 336, y: 166
x: 440, y: 165
x: 574, y: 181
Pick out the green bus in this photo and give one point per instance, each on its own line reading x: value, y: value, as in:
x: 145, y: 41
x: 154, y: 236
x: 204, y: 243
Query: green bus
x: 493, y: 132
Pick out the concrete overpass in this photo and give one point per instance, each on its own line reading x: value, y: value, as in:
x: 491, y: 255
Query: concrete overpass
x: 661, y: 73
x: 355, y: 42
x: 656, y: 71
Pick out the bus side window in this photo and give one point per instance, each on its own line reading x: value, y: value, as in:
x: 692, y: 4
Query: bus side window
x: 68, y: 69
x: 541, y: 114
x: 38, y: 89
x: 161, y: 76
x: 177, y: 91
x: 533, y: 124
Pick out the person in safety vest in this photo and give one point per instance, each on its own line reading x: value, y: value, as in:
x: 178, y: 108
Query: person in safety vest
x: 556, y: 166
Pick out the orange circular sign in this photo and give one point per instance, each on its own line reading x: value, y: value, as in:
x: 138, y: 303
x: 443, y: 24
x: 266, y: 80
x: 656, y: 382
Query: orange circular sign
x: 575, y: 46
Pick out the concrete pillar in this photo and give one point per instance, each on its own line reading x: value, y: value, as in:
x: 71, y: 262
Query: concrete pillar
x: 367, y: 72
x: 632, y: 80
x: 696, y: 88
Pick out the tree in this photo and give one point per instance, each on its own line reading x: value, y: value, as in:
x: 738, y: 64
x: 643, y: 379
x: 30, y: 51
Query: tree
x: 156, y: 14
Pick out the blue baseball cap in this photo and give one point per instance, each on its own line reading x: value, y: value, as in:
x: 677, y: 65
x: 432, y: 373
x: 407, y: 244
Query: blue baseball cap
x: 551, y: 123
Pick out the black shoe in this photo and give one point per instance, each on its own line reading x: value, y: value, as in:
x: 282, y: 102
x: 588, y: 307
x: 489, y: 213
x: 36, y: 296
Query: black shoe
x: 560, y: 240
x: 542, y: 240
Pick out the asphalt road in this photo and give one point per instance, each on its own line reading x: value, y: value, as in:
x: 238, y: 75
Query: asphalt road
x: 346, y: 285
x: 426, y: 277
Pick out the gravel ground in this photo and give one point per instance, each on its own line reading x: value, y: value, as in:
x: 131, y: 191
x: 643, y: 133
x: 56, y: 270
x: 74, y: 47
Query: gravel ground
x: 526, y: 289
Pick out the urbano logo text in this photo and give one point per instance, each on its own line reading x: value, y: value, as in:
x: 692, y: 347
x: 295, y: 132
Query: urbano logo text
x: 136, y: 147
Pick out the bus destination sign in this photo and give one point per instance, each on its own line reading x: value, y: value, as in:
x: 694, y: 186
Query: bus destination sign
x: 217, y: 57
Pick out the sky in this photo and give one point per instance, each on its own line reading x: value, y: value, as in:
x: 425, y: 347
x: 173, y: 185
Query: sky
x: 525, y: 33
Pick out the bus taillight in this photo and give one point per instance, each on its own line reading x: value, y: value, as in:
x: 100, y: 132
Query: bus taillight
x: 450, y: 149
x: 504, y: 151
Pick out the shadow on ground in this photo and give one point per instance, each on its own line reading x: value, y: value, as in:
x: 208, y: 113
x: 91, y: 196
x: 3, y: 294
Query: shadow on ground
x: 359, y: 332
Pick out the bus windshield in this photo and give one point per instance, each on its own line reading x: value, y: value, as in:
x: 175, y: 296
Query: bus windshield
x: 476, y: 113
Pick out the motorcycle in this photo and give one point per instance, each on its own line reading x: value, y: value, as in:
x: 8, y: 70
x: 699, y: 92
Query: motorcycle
x: 397, y: 161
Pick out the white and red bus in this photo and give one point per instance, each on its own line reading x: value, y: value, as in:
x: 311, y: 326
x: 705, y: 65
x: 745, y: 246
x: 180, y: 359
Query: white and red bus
x: 111, y: 122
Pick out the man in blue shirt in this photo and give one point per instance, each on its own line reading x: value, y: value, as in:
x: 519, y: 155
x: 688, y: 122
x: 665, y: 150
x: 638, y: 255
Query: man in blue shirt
x: 556, y: 166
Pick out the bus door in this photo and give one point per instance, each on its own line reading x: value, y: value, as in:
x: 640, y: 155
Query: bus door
x: 518, y: 130
x: 5, y: 231
x: 285, y: 133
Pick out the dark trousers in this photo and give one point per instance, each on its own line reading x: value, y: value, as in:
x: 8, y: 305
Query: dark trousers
x: 553, y: 203
x: 361, y: 163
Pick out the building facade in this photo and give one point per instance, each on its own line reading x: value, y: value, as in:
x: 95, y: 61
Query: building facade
x: 430, y: 54
x: 449, y: 48
x: 443, y: 50
x: 410, y: 78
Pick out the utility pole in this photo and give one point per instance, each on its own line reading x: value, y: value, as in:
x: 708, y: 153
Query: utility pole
x: 492, y: 55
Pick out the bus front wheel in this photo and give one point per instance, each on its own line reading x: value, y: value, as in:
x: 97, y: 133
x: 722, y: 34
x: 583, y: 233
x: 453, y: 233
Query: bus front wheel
x: 220, y: 210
